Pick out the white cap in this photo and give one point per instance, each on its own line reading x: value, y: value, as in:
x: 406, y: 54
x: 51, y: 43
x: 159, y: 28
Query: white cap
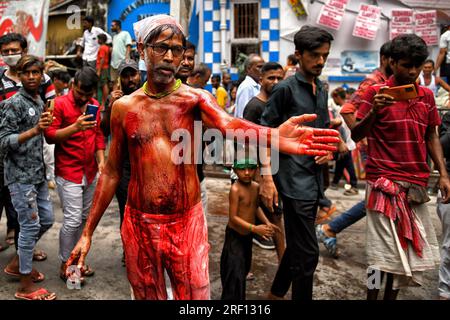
x: 143, y: 27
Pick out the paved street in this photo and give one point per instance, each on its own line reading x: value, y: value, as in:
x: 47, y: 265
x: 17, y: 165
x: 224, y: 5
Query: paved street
x: 342, y: 278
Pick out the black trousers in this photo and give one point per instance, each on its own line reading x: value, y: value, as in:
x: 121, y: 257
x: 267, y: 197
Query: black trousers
x: 302, y: 250
x: 235, y: 263
x: 11, y: 214
x: 345, y: 162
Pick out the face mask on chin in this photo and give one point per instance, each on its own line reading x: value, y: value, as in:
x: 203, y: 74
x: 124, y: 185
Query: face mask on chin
x: 12, y: 60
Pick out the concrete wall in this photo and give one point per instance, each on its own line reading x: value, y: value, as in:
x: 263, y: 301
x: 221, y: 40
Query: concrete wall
x: 59, y: 37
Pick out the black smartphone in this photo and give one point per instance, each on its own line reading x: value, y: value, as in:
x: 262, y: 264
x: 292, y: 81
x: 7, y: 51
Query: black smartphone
x: 92, y: 110
x: 278, y: 209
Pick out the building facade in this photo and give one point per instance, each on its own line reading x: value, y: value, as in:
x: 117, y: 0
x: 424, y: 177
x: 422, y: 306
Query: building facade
x: 222, y: 29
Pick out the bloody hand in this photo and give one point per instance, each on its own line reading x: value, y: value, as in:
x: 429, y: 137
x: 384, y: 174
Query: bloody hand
x: 294, y: 138
x: 79, y: 253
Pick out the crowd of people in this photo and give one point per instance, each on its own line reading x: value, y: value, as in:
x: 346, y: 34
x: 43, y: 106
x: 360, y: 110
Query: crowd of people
x: 49, y: 139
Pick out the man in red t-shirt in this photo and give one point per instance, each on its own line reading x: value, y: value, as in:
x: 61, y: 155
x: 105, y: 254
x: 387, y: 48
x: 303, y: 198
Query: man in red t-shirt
x: 79, y: 155
x: 103, y: 66
x: 400, y: 237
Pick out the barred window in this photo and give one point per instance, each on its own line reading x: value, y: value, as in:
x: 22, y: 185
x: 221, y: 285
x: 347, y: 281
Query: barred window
x: 246, y: 20
x: 245, y: 39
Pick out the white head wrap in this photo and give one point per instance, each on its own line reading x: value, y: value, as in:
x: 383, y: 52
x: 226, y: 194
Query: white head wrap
x: 143, y: 27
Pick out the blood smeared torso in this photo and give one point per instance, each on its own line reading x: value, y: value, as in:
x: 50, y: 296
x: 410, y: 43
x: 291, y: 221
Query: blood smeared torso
x: 157, y: 184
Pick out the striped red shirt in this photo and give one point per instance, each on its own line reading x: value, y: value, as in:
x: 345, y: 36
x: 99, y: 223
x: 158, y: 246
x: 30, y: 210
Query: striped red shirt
x: 396, y: 143
x: 352, y: 105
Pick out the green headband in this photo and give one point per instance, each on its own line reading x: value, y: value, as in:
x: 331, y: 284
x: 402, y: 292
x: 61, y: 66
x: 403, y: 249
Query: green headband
x: 245, y: 163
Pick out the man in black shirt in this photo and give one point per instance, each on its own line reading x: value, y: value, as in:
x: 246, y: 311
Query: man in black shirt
x: 299, y: 179
x: 271, y: 74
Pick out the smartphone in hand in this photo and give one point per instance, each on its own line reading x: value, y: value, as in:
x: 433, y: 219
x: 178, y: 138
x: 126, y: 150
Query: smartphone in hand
x: 400, y: 93
x: 92, y: 110
x: 50, y: 106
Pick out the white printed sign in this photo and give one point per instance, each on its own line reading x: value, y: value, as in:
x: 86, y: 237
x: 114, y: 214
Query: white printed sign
x: 367, y: 22
x: 402, y: 22
x: 332, y: 13
x: 426, y: 26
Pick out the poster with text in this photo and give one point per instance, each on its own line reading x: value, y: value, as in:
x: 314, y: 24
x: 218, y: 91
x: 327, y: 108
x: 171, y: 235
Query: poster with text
x: 332, y: 13
x: 367, y: 22
x: 426, y: 26
x: 29, y: 18
x: 402, y: 22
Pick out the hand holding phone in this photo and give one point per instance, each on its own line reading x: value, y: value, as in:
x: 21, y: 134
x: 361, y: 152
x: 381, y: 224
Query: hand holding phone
x: 400, y: 93
x: 50, y: 106
x: 91, y: 110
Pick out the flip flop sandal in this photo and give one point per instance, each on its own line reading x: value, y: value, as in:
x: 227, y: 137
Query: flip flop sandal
x: 10, y: 238
x: 40, y: 278
x: 322, y: 218
x: 39, y: 255
x: 39, y: 294
x: 250, y: 276
x: 87, y: 271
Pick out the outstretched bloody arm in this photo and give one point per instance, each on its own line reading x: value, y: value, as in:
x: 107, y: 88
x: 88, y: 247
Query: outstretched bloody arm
x: 292, y: 137
x: 106, y: 186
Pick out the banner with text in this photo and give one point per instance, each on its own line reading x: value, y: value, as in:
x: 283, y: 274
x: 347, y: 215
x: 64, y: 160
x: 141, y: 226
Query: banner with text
x: 29, y: 18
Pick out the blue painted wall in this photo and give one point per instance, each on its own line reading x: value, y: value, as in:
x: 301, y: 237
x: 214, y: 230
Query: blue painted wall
x: 132, y: 10
x: 194, y: 25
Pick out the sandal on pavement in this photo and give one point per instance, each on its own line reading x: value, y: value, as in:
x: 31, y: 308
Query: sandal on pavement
x: 250, y: 276
x: 39, y: 255
x: 323, y: 215
x: 39, y: 294
x: 87, y: 271
x: 330, y: 243
x: 10, y: 237
x: 351, y: 192
x: 36, y: 276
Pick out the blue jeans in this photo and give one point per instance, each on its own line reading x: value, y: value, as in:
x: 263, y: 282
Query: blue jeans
x: 345, y: 162
x: 349, y: 217
x: 35, y: 215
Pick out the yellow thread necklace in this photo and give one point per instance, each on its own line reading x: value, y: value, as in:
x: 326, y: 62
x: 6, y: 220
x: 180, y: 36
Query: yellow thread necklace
x: 160, y: 95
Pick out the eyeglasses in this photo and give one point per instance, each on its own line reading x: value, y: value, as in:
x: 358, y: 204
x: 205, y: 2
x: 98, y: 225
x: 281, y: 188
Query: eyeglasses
x: 161, y: 49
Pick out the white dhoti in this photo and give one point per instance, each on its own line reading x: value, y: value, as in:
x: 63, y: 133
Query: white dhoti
x: 385, y: 253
